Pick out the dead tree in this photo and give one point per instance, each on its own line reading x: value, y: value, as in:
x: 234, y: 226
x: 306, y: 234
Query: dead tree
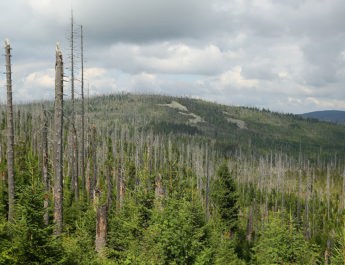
x: 101, y: 223
x: 109, y: 185
x: 58, y: 120
x: 207, y: 182
x: 343, y: 193
x: 45, y: 177
x: 327, y: 189
x: 10, y: 136
x: 149, y: 158
x: 159, y: 192
x: 299, y: 194
x: 74, y: 182
x: 94, y: 164
x: 307, y: 199
x: 82, y: 112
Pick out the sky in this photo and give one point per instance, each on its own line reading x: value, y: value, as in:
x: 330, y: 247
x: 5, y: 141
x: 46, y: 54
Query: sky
x: 286, y: 55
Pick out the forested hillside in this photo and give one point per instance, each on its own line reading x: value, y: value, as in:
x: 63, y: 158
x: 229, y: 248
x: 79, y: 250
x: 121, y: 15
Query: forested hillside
x: 171, y: 181
x: 337, y: 116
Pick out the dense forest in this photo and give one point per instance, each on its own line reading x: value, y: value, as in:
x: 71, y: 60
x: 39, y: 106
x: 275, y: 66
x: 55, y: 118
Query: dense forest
x: 152, y: 179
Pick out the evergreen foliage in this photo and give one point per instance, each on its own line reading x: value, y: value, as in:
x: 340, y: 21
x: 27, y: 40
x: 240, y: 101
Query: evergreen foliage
x: 280, y: 242
x: 225, y: 198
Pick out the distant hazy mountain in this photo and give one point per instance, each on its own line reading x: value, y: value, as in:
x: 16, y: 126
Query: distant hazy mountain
x: 337, y: 116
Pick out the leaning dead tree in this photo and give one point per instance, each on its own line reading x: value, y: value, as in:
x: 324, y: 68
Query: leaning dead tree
x: 58, y: 123
x: 10, y: 137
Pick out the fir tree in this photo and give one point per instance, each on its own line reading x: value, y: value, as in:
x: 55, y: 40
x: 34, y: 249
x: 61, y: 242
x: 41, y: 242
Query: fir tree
x: 225, y: 198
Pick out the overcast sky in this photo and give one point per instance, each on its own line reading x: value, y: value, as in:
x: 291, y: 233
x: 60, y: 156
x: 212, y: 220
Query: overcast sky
x: 286, y: 55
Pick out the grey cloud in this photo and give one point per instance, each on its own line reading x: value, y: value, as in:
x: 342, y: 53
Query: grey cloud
x: 288, y: 49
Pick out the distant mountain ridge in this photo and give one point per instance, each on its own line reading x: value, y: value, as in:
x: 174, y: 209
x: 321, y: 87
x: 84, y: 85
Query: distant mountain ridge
x: 233, y: 129
x: 337, y: 116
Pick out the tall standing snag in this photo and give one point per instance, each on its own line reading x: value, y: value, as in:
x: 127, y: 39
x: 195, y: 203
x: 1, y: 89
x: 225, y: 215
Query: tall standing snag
x: 75, y: 181
x: 82, y: 112
x: 58, y: 120
x: 94, y: 168
x: 10, y: 137
x: 45, y: 178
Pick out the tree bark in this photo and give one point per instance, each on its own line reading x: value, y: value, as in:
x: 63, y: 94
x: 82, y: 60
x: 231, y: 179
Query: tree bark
x: 74, y: 162
x: 10, y: 135
x: 75, y: 182
x: 58, y: 120
x: 101, y: 227
x: 207, y: 182
x: 45, y: 178
x: 94, y: 162
x: 101, y: 222
x: 82, y: 112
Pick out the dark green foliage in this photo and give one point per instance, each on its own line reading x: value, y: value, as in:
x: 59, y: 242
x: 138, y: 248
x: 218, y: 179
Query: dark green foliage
x: 31, y: 241
x: 177, y: 235
x: 169, y: 127
x: 225, y: 198
x: 280, y: 242
x: 79, y: 245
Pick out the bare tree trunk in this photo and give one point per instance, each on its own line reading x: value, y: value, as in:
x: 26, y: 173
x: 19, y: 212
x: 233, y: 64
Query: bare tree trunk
x: 159, y: 192
x: 299, y: 193
x: 58, y: 120
x: 101, y: 223
x: 82, y: 113
x: 45, y: 177
x: 94, y: 162
x: 327, y: 190
x: 308, y: 189
x: 74, y: 161
x: 10, y: 136
x: 149, y: 159
x: 207, y: 182
x: 109, y: 185
x: 343, y: 192
x: 250, y: 224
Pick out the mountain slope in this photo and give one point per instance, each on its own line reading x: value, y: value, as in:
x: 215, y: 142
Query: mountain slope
x: 336, y: 116
x: 234, y: 129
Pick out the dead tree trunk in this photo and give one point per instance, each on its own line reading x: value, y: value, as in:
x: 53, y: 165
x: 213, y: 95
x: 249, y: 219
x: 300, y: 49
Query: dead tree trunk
x: 149, y: 159
x: 75, y: 178
x: 45, y: 178
x: 159, y: 192
x: 94, y: 162
x: 307, y: 198
x: 58, y: 120
x: 327, y: 190
x: 101, y: 223
x: 343, y: 193
x: 207, y: 182
x: 74, y: 182
x: 299, y: 194
x: 10, y: 137
x: 109, y: 185
x: 82, y: 113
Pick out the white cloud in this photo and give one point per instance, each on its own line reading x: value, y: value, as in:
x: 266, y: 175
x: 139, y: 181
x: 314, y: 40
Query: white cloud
x: 41, y: 79
x: 167, y: 57
x: 235, y: 79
